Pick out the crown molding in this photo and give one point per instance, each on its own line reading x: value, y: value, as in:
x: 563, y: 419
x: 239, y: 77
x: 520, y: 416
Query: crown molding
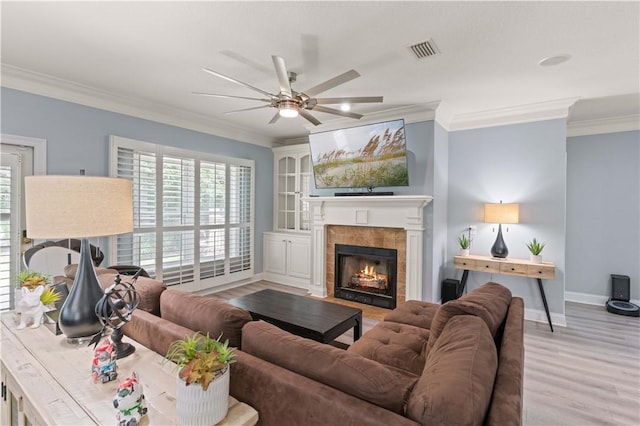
x: 600, y: 126
x: 45, y: 85
x: 510, y: 115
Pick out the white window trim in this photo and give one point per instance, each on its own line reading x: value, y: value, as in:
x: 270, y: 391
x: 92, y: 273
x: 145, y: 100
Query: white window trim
x: 159, y: 151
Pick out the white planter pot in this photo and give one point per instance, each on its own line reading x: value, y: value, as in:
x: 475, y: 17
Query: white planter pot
x: 535, y: 258
x: 197, y: 407
x: 464, y: 252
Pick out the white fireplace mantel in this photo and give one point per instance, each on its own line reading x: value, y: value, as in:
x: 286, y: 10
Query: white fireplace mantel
x: 397, y: 211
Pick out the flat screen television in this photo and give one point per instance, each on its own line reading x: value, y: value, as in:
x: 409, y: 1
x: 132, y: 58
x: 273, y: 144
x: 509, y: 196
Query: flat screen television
x: 370, y: 156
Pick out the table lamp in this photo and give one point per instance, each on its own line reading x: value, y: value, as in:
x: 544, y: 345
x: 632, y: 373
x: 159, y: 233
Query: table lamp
x: 501, y: 213
x: 79, y: 207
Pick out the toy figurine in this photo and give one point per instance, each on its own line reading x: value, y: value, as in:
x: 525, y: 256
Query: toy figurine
x: 31, y: 308
x: 103, y: 367
x: 130, y: 402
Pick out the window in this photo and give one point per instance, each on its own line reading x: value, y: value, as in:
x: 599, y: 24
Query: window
x: 193, y: 214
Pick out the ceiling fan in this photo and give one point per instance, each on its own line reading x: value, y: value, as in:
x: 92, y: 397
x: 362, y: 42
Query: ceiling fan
x: 290, y: 103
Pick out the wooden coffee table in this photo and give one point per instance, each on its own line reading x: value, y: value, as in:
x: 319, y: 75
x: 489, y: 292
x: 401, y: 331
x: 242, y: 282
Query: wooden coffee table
x: 306, y: 317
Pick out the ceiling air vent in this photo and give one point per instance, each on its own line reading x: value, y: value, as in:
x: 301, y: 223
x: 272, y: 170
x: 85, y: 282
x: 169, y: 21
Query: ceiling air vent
x: 424, y: 49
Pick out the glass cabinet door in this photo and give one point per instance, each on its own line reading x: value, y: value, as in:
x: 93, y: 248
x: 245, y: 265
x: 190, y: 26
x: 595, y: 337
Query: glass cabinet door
x: 305, y: 183
x: 293, y: 178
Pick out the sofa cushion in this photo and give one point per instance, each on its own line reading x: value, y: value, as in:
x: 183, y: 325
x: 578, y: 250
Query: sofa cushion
x: 394, y: 344
x: 414, y: 312
x: 489, y: 302
x: 508, y: 388
x: 456, y: 385
x: 351, y: 373
x: 70, y: 270
x: 153, y: 332
x: 204, y: 314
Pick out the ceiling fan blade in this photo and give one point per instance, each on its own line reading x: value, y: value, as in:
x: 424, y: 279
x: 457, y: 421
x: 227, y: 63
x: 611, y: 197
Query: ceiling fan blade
x: 337, y: 112
x: 230, y: 96
x: 349, y: 100
x: 310, y: 118
x: 275, y: 117
x: 247, y: 109
x: 331, y: 83
x: 238, y: 82
x: 283, y: 76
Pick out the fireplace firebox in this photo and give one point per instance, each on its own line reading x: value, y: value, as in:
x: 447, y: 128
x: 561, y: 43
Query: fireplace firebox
x: 366, y: 275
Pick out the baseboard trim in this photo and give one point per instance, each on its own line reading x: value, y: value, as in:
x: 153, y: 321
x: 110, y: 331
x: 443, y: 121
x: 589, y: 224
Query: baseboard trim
x: 540, y: 316
x: 590, y: 299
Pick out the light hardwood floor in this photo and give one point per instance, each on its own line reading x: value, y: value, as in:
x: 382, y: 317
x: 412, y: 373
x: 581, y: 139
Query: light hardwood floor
x: 587, y: 373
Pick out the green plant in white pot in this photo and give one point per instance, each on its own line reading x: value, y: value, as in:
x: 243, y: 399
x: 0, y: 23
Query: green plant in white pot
x: 464, y: 243
x: 535, y: 248
x: 202, y: 395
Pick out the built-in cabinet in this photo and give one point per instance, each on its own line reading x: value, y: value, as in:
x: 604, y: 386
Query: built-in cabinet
x: 292, y: 170
x: 287, y: 258
x: 287, y: 250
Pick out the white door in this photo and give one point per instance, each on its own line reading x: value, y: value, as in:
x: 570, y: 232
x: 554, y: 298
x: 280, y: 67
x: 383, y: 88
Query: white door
x: 21, y: 157
x: 10, y: 238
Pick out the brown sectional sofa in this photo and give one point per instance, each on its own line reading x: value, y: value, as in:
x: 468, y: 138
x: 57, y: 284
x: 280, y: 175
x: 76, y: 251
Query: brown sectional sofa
x: 426, y: 364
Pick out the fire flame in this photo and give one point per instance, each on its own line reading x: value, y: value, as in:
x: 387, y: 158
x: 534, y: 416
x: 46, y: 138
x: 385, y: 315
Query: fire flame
x: 369, y: 271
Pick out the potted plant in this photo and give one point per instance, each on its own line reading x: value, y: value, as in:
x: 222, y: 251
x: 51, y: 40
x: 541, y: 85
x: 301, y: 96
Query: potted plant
x: 31, y: 280
x: 202, y: 396
x: 464, y: 244
x: 535, y: 247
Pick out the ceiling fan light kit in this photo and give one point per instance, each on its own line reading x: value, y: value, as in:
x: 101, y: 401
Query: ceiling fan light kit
x: 290, y: 103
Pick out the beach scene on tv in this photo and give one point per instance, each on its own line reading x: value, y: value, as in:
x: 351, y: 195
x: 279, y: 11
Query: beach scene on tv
x: 361, y: 157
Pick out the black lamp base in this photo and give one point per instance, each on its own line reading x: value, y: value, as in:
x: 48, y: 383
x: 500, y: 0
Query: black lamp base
x: 77, y: 319
x: 499, y: 249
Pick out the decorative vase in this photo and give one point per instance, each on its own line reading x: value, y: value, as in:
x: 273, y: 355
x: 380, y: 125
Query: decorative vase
x: 536, y: 258
x: 464, y: 252
x: 197, y: 407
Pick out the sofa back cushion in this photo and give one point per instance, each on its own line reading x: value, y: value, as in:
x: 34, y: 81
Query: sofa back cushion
x: 457, y: 382
x: 204, y: 314
x: 351, y: 373
x: 489, y: 302
x: 506, y: 403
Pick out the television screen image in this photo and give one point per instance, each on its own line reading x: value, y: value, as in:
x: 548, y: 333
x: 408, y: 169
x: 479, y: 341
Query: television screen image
x: 369, y: 156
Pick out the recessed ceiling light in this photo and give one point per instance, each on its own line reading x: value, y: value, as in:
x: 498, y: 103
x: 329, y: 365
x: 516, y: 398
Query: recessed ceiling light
x: 553, y: 60
x: 345, y: 107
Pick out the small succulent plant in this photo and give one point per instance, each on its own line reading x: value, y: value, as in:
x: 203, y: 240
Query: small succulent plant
x: 32, y: 279
x: 200, y: 358
x: 535, y: 247
x: 464, y: 242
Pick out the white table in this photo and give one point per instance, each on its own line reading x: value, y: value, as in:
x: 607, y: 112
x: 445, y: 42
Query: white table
x: 46, y: 380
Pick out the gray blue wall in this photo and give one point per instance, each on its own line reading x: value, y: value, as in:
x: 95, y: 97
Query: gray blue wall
x: 521, y: 163
x: 603, y: 207
x: 78, y: 138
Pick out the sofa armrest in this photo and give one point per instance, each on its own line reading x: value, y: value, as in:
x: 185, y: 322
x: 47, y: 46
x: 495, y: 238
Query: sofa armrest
x: 154, y: 332
x: 283, y: 397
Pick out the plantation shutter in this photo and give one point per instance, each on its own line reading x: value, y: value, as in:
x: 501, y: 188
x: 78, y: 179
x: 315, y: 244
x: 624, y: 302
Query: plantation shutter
x: 193, y: 214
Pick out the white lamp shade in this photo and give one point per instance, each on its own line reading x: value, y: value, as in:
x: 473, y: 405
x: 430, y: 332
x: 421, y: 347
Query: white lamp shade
x: 501, y: 213
x: 77, y: 206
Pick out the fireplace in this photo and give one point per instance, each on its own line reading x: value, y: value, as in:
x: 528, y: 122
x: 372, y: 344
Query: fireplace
x: 366, y: 275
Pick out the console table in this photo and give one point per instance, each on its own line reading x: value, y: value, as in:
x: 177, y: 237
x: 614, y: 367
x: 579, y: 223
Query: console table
x: 47, y: 381
x: 520, y: 267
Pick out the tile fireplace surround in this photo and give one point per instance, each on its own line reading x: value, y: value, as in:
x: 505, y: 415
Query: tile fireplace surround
x: 333, y: 219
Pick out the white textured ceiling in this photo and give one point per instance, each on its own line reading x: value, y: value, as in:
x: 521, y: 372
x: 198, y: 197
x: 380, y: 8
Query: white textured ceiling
x: 150, y: 54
